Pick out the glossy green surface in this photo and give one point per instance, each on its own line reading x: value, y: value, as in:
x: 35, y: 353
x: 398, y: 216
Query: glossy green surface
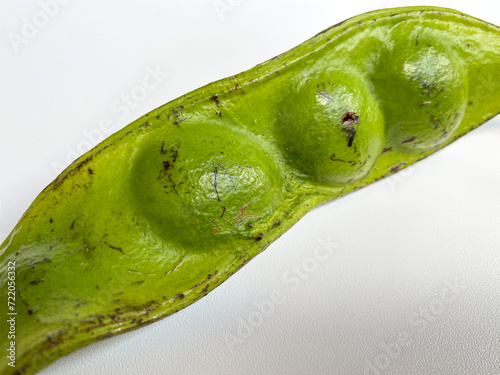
x: 168, y: 208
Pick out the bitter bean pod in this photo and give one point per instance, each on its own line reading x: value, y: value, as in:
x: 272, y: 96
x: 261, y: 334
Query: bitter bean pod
x: 166, y: 209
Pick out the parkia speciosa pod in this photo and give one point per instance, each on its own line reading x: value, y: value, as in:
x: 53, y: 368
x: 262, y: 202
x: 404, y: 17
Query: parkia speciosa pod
x: 166, y: 209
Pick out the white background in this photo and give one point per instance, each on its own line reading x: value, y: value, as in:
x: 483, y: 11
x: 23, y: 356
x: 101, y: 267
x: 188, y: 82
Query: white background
x: 400, y: 242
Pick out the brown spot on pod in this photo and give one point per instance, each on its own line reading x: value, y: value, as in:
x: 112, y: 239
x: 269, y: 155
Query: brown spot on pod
x: 350, y: 118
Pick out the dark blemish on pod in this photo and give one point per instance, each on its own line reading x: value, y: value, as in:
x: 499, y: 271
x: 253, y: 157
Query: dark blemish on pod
x: 166, y: 165
x: 106, y: 335
x: 250, y: 225
x: 245, y: 261
x: 409, y: 140
x: 175, y: 152
x: 435, y: 122
x: 387, y: 149
x: 259, y: 237
x: 277, y: 223
x: 23, y: 369
x: 333, y: 158
x: 177, y: 265
x: 91, y: 171
x: 424, y: 104
x: 331, y: 27
x: 214, y: 99
x: 416, y: 43
x: 138, y: 282
x: 30, y: 312
x: 392, y: 15
x: 116, y: 248
x: 223, y: 212
x: 50, y: 220
x: 73, y: 224
x: 36, y: 282
x: 397, y: 167
x: 350, y: 118
x: 179, y: 296
x: 350, y: 136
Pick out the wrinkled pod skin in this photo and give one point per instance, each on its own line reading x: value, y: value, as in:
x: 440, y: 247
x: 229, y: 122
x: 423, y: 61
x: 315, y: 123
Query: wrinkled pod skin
x: 165, y: 210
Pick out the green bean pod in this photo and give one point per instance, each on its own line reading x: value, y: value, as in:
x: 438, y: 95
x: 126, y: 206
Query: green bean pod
x: 166, y: 209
